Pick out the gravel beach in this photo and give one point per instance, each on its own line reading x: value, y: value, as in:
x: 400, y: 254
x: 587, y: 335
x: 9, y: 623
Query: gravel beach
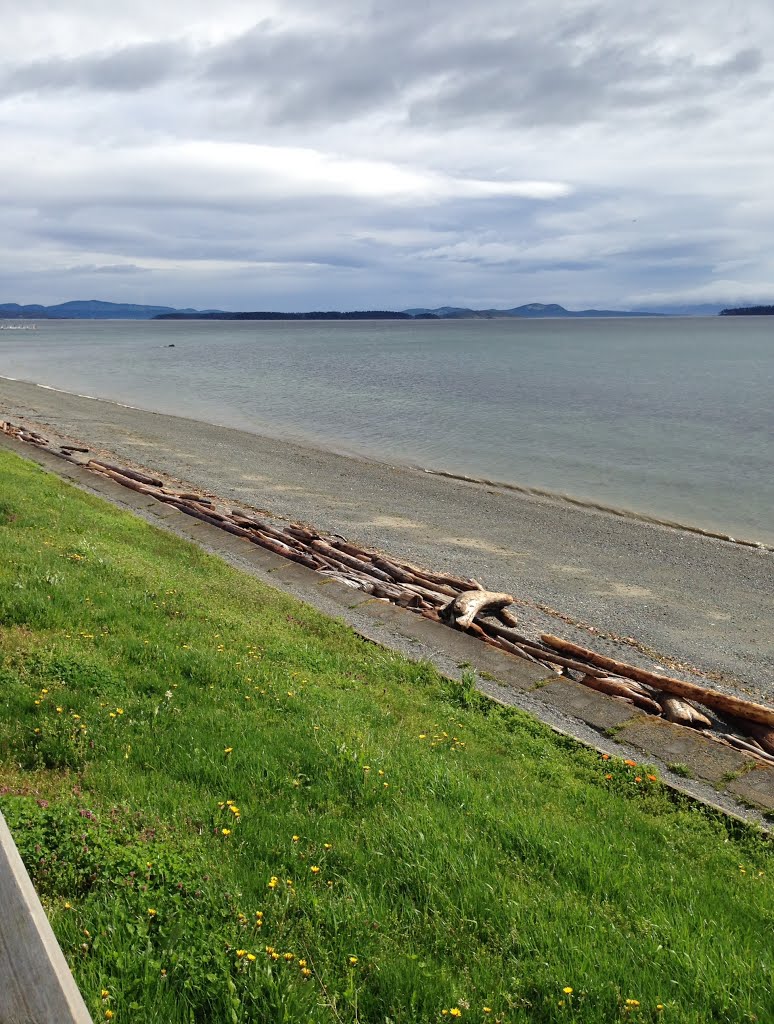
x: 649, y: 594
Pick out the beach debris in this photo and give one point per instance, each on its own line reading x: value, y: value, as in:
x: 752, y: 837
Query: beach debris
x: 133, y: 474
x: 682, y: 713
x: 722, y: 702
x: 620, y: 688
x: 460, y: 602
x: 466, y: 606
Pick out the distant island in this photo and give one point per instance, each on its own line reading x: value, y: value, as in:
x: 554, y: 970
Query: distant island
x: 532, y: 310
x: 95, y: 309
x: 357, y: 314
x: 749, y: 311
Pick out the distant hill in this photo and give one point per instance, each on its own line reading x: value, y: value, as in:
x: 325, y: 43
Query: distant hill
x: 333, y: 314
x: 94, y: 309
x: 532, y: 310
x: 89, y: 309
x: 749, y: 311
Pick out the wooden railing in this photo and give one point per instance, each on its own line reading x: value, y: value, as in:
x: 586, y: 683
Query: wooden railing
x: 36, y: 986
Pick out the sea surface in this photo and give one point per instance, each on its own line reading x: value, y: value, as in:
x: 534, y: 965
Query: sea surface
x: 672, y: 418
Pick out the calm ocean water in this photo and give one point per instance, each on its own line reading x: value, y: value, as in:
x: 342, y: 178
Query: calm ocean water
x: 672, y: 418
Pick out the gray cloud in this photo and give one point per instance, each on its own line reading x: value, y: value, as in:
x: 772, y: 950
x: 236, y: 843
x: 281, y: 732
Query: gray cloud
x: 570, y: 150
x: 129, y: 69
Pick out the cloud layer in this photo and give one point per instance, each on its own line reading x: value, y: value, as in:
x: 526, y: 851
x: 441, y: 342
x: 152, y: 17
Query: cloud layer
x: 291, y: 156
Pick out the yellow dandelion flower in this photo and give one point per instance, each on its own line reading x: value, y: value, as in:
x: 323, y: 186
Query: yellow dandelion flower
x: 108, y: 1014
x: 327, y: 846
x: 105, y: 993
x: 59, y: 711
x: 634, y: 1003
x: 273, y: 882
x: 119, y: 711
x: 306, y: 972
x: 567, y: 990
x: 240, y: 953
x: 227, y: 750
x: 289, y: 956
x: 366, y: 767
x: 295, y: 838
x: 302, y: 963
x: 314, y: 869
x: 455, y: 1012
x: 151, y: 912
x: 274, y: 956
x: 251, y: 957
x: 225, y: 831
x: 353, y: 960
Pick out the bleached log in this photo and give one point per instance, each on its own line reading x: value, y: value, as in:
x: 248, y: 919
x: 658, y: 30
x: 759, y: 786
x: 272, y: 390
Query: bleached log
x: 619, y: 688
x: 682, y: 713
x: 722, y: 702
x: 466, y: 606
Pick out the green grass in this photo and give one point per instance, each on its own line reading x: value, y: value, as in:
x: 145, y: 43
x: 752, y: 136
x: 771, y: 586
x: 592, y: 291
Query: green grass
x: 467, y: 856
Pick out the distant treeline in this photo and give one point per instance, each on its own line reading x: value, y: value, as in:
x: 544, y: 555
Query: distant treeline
x: 357, y: 314
x: 749, y: 311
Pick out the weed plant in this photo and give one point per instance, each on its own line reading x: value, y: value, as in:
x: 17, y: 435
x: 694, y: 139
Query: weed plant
x: 235, y: 810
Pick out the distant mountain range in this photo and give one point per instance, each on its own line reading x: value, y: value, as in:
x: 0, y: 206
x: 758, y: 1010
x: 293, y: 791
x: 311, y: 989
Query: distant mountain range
x: 532, y: 309
x: 94, y: 309
x: 89, y: 309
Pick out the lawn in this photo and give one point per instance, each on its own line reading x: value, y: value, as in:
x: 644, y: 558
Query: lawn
x: 235, y: 810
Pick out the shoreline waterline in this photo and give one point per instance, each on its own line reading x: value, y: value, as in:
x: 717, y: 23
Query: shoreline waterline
x: 518, y: 488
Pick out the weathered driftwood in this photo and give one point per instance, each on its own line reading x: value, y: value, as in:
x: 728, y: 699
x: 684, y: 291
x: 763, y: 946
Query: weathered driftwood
x: 466, y: 606
x: 619, y: 688
x: 520, y: 652
x: 722, y: 702
x: 760, y: 733
x: 682, y: 713
x: 751, y: 748
x: 133, y: 474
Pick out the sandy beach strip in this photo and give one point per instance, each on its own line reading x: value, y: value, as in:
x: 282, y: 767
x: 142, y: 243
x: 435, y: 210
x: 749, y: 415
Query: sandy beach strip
x: 685, y: 599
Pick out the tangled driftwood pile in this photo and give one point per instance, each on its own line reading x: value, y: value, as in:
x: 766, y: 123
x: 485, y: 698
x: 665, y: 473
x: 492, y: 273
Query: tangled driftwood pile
x: 460, y: 603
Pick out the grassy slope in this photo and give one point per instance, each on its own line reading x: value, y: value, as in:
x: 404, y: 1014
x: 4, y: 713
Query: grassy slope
x: 467, y: 857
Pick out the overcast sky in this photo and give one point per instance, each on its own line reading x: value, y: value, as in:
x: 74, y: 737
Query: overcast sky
x: 298, y: 155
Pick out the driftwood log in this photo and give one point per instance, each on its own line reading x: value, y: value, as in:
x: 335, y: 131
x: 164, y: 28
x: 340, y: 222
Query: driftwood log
x: 466, y: 606
x: 682, y: 713
x: 721, y: 702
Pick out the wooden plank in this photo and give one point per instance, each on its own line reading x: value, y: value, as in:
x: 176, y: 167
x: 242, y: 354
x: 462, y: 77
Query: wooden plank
x: 35, y: 982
